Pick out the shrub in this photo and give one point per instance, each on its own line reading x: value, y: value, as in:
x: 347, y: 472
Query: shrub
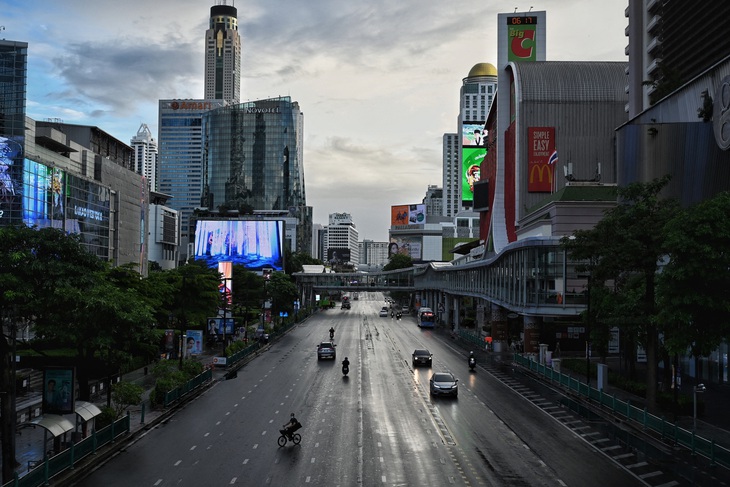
x: 105, y: 418
x: 125, y: 394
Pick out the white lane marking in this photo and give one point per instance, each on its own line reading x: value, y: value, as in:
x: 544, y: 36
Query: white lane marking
x: 218, y: 423
x: 263, y: 433
x: 255, y: 446
x: 178, y: 463
x: 158, y: 482
x: 316, y: 445
x: 312, y: 460
x: 307, y: 479
x: 271, y: 421
x: 245, y: 461
x: 233, y: 480
x: 235, y: 405
x: 192, y: 447
x: 383, y: 478
x: 206, y: 434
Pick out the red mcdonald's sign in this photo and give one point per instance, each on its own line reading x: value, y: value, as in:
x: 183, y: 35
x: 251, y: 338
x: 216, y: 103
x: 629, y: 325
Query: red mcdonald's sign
x: 541, y: 144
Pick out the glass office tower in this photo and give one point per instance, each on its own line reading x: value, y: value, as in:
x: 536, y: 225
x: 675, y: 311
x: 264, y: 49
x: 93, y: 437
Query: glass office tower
x: 254, y: 156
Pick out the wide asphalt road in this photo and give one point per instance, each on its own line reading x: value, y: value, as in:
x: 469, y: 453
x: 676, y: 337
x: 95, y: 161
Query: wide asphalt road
x: 379, y: 426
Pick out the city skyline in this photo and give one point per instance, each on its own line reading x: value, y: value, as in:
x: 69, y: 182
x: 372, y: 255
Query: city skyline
x: 378, y: 84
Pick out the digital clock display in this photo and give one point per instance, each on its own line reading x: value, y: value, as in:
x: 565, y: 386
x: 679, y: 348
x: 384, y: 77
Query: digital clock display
x: 529, y: 20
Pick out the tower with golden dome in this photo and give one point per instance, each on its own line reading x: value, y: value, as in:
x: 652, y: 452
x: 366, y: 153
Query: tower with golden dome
x: 466, y: 147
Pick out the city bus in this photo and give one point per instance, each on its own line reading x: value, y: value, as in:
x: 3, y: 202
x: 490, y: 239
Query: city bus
x: 426, y: 318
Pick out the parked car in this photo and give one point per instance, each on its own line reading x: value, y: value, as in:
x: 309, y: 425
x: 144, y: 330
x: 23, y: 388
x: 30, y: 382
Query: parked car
x: 326, y: 350
x: 444, y: 384
x: 422, y: 357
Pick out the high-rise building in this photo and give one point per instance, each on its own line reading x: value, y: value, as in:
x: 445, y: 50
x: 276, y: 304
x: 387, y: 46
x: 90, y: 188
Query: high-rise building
x: 180, y: 173
x: 373, y: 255
x: 223, y: 55
x: 254, y: 161
x: 144, y: 157
x: 478, y: 90
x: 342, y: 246
x: 434, y: 200
x: 451, y: 175
x: 671, y: 43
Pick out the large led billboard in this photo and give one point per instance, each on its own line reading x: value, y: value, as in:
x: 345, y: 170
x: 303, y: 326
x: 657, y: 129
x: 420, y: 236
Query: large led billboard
x: 472, y: 158
x: 11, y: 157
x: 254, y: 244
x: 473, y: 134
x: 44, y: 195
x: 408, y: 214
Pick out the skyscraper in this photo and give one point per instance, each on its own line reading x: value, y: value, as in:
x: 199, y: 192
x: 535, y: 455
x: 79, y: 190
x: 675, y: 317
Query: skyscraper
x: 223, y: 55
x: 144, y: 157
x: 180, y: 172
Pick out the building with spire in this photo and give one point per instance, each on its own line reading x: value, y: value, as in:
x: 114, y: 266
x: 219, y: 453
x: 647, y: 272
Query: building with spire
x: 223, y: 55
x: 144, y: 155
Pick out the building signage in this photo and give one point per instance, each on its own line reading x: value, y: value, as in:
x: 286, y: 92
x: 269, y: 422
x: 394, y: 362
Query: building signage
x: 191, y: 105
x: 522, y: 33
x: 263, y: 110
x: 540, y: 146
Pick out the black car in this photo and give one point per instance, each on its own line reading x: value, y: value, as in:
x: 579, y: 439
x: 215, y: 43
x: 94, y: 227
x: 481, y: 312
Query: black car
x: 422, y: 357
x: 444, y: 384
x: 326, y: 350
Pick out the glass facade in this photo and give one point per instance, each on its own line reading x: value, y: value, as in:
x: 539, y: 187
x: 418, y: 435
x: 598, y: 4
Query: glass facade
x: 180, y: 148
x: 13, y: 76
x: 254, y: 156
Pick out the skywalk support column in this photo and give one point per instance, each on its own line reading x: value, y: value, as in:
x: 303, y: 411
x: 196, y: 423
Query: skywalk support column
x: 499, y: 328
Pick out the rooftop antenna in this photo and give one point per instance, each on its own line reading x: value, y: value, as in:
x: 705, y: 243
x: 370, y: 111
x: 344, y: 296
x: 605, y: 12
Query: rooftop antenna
x: 531, y: 7
x: 515, y: 10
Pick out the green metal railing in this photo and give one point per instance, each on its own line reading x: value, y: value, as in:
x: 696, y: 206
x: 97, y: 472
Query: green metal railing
x: 192, y: 384
x: 698, y: 445
x: 68, y: 458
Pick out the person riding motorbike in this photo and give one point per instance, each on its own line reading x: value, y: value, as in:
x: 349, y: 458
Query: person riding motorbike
x: 332, y: 333
x: 289, y: 427
x: 345, y: 365
x: 471, y: 359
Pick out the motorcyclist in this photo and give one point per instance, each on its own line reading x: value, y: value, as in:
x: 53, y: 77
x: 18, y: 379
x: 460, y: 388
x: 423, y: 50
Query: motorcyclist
x: 289, y: 427
x: 470, y: 358
x: 346, y: 363
x: 332, y: 333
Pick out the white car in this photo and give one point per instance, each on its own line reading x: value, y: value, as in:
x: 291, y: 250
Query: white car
x: 383, y: 313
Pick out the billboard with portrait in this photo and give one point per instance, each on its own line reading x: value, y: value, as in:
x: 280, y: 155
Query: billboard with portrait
x: 338, y: 255
x: 473, y: 134
x: 410, y: 246
x: 11, y: 167
x: 472, y: 158
x: 58, y: 390
x: 254, y: 244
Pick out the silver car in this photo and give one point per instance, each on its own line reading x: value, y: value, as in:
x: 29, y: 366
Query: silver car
x: 444, y: 384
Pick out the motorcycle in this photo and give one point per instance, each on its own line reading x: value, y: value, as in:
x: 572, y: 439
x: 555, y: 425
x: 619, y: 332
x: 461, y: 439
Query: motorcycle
x: 472, y: 363
x: 332, y: 335
x: 345, y: 370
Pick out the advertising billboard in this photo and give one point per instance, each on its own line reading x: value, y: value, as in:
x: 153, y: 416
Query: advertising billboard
x: 254, y: 244
x: 338, y: 255
x: 473, y: 134
x: 44, y: 195
x: 408, y: 215
x: 410, y: 246
x: 193, y: 342
x: 11, y: 158
x: 58, y: 391
x: 472, y: 158
x: 541, y: 157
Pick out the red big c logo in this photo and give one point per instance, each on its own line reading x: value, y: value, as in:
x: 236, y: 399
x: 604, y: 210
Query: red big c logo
x: 518, y: 44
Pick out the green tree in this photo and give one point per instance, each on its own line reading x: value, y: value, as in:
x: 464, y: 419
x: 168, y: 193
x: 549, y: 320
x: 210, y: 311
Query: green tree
x: 694, y: 285
x: 283, y: 292
x: 248, y: 293
x: 623, y: 251
x: 294, y: 262
x: 41, y: 274
x: 125, y: 394
x: 398, y: 261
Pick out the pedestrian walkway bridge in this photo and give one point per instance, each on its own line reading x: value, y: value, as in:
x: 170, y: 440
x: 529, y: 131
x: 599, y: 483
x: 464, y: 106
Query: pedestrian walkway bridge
x: 529, y: 277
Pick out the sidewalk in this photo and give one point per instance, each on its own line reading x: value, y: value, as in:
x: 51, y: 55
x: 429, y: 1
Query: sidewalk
x: 30, y: 439
x: 712, y: 424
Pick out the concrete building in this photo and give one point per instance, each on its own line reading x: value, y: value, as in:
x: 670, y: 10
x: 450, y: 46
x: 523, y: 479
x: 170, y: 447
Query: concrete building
x: 223, y: 55
x: 434, y: 200
x: 669, y: 44
x: 373, y: 255
x: 451, y: 175
x: 144, y: 155
x: 342, y: 245
x: 164, y: 232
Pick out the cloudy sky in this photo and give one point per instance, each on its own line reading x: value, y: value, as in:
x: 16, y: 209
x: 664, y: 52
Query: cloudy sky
x: 378, y: 81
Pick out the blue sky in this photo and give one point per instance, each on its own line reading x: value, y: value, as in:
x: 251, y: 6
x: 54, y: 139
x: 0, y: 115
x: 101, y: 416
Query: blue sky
x: 378, y: 81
